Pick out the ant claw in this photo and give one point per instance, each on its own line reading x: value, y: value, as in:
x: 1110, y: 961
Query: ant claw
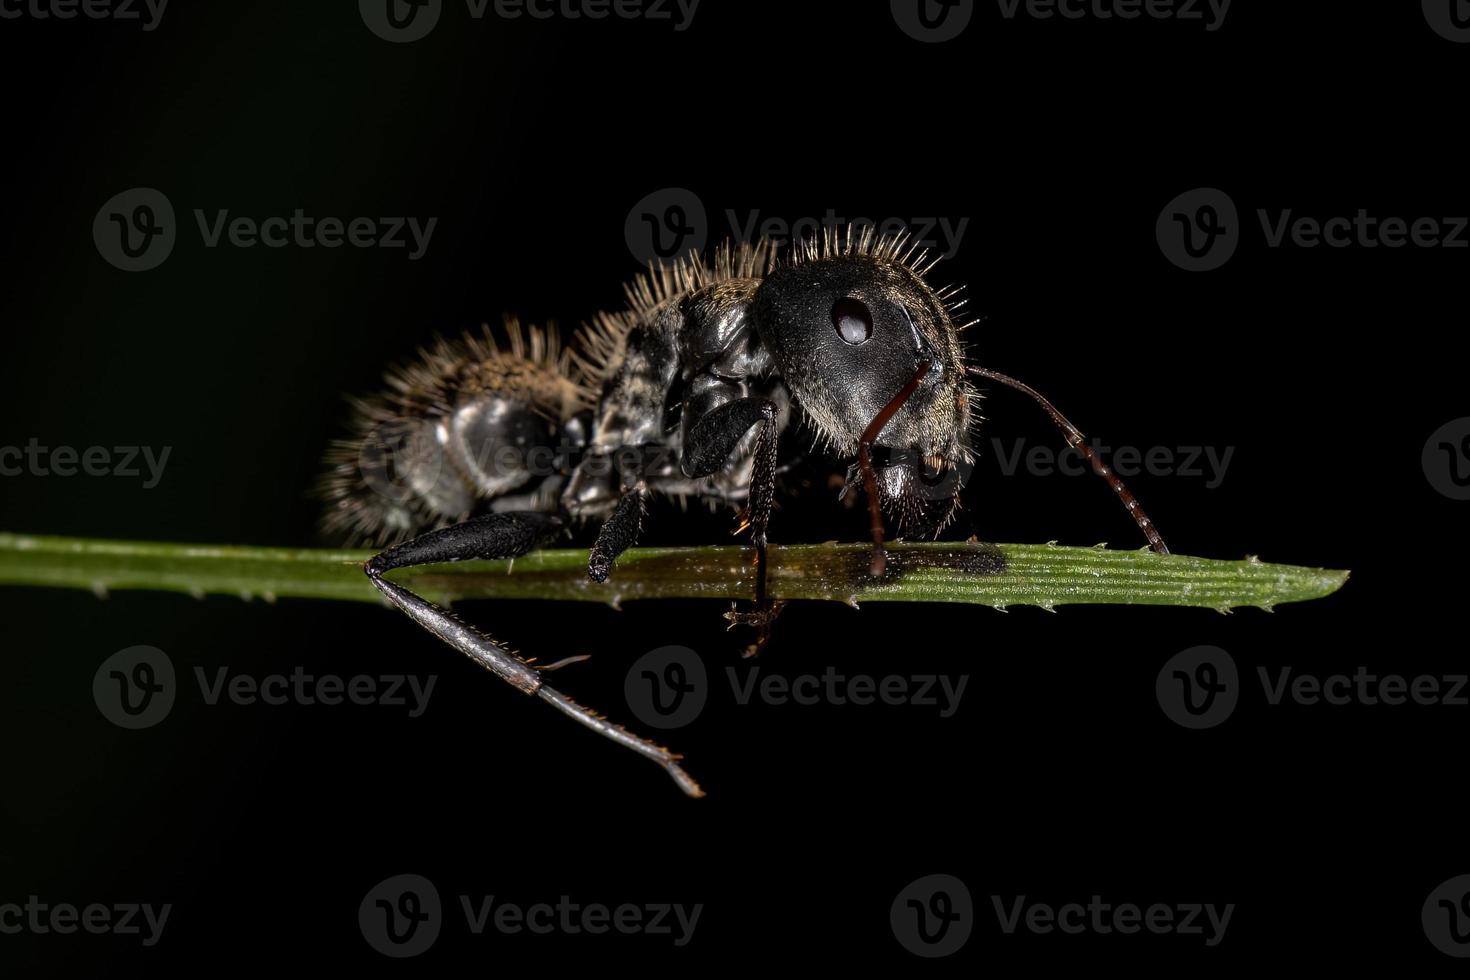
x: 761, y: 617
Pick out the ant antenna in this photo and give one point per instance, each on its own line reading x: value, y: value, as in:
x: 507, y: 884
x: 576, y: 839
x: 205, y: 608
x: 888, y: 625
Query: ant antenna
x: 1077, y: 441
x: 870, y: 476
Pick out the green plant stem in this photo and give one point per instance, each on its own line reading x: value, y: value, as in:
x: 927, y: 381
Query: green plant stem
x: 1003, y: 575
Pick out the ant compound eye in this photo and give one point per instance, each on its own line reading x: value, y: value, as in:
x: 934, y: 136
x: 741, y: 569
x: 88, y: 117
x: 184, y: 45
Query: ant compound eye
x: 852, y: 320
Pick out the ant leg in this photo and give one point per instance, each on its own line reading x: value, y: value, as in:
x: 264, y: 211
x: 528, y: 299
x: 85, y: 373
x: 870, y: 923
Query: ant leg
x: 714, y: 437
x: 618, y: 533
x: 711, y: 441
x: 507, y: 535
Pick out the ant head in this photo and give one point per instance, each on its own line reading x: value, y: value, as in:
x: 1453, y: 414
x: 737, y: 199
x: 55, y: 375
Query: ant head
x: 872, y: 356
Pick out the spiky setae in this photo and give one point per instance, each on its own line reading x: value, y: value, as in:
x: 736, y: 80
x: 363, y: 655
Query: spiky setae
x: 599, y: 346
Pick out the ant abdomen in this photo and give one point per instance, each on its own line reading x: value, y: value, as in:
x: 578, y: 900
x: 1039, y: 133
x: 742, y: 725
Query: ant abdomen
x: 471, y: 420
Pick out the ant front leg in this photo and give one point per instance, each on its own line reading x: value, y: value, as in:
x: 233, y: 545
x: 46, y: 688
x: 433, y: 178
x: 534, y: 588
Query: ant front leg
x: 506, y: 535
x: 709, y: 444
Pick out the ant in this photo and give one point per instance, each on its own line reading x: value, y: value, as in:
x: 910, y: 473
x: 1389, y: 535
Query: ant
x: 685, y: 393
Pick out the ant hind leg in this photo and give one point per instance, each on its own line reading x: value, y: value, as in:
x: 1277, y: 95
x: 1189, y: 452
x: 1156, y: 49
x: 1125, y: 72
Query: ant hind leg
x: 504, y: 535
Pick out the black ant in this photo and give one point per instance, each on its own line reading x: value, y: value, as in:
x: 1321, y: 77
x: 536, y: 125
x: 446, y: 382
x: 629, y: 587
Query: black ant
x: 685, y: 394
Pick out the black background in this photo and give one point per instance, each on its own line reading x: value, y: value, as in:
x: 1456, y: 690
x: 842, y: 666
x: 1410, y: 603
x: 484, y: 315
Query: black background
x: 1059, y: 778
